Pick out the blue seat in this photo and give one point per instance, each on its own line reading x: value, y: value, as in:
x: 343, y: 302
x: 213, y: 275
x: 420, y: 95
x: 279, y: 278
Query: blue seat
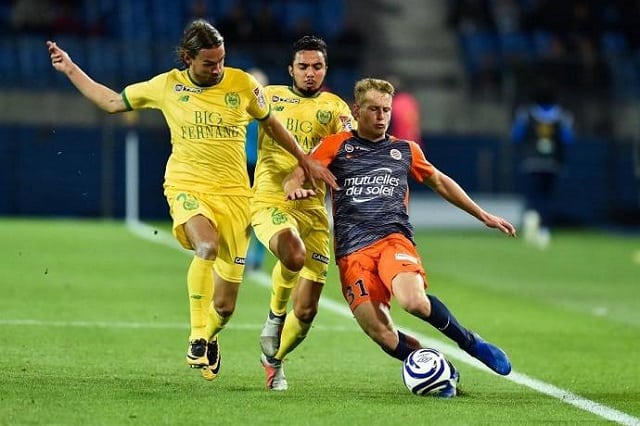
x: 33, y: 65
x: 9, y: 75
x: 514, y: 48
x: 104, y: 61
x: 480, y: 52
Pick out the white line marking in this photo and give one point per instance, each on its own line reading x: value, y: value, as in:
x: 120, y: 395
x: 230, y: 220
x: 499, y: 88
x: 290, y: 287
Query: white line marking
x: 151, y: 325
x: 454, y: 352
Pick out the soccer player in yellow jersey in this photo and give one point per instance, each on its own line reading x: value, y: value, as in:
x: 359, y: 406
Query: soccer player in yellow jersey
x: 296, y: 233
x: 207, y: 108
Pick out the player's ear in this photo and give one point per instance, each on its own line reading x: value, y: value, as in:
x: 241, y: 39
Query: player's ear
x: 290, y: 68
x: 356, y: 111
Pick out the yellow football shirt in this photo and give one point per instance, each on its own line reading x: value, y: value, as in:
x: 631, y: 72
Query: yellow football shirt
x: 207, y: 125
x: 309, y: 119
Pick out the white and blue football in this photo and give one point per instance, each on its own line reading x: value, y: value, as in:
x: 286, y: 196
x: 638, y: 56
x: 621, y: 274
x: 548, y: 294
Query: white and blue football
x: 427, y: 372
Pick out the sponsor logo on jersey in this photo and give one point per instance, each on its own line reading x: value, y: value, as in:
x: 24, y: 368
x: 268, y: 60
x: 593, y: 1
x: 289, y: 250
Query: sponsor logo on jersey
x: 239, y: 260
x: 276, y: 98
x: 182, y: 88
x: 321, y: 258
x: 232, y: 100
x: 262, y: 102
x: 377, y: 183
x: 349, y: 149
x: 189, y: 202
x: 346, y: 122
x: 324, y: 117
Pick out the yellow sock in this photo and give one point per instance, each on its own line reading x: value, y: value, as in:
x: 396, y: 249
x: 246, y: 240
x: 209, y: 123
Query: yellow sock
x: 282, y: 283
x: 294, y: 332
x: 216, y: 322
x: 200, y: 288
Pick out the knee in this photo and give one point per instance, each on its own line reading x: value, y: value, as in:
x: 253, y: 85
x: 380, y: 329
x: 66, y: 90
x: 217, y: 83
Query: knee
x: 306, y: 313
x: 207, y: 250
x: 224, y: 308
x: 294, y: 259
x: 290, y: 250
x: 224, y: 305
x: 417, y: 306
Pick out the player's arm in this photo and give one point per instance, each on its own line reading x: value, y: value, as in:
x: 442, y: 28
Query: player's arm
x: 104, y: 97
x: 312, y: 169
x: 292, y: 185
x: 449, y: 189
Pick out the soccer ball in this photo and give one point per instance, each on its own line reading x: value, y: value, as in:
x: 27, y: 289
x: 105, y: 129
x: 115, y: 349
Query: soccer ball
x: 427, y: 372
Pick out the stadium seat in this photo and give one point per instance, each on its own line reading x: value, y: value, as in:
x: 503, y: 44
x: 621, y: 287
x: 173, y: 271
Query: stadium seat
x: 104, y: 61
x: 480, y: 52
x: 8, y: 61
x: 33, y: 65
x: 514, y: 48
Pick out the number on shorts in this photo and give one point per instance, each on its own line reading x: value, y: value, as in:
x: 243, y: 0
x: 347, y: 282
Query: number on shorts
x: 360, y: 288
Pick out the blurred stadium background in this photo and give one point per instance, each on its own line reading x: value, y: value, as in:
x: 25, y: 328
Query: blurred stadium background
x: 469, y: 63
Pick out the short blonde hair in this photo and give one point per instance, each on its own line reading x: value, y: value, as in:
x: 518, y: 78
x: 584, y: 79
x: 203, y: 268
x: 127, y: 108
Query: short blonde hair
x: 366, y: 84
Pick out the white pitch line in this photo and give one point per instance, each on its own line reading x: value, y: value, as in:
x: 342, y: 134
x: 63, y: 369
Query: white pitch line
x: 150, y: 325
x: 454, y: 352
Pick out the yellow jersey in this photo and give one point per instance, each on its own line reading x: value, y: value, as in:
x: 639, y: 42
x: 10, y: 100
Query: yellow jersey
x: 309, y: 119
x: 207, y: 125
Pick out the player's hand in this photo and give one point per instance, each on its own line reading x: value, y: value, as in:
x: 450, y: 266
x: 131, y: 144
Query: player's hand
x: 315, y: 171
x: 501, y: 224
x: 60, y: 59
x: 299, y: 194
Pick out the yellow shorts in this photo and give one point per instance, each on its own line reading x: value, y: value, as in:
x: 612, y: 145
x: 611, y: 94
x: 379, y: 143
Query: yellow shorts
x: 312, y: 226
x: 229, y: 214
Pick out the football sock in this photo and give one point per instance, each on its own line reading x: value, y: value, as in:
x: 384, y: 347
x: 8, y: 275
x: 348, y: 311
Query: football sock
x: 216, y: 322
x: 200, y: 289
x: 283, y: 281
x: 406, y: 345
x: 442, y: 319
x: 293, y: 333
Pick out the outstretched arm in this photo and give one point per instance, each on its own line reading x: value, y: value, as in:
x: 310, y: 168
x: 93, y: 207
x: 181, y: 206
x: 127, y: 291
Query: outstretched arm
x: 312, y: 169
x: 449, y: 189
x: 101, y: 95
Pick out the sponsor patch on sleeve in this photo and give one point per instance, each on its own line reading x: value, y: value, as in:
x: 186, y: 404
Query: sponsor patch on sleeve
x: 260, y: 97
x: 346, y: 122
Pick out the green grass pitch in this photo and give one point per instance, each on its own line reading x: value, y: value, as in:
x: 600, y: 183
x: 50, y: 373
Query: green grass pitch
x: 93, y: 330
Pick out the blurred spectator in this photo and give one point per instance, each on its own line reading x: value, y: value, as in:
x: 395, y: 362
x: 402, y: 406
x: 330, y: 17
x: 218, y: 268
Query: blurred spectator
x: 507, y: 17
x: 541, y: 130
x: 301, y: 27
x: 470, y: 16
x: 265, y: 25
x: 33, y: 16
x: 66, y: 21
x: 199, y: 9
x: 237, y: 25
x: 350, y: 41
x: 406, y: 118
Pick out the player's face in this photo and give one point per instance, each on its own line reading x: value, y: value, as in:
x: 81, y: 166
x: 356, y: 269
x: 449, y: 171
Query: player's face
x: 308, y: 71
x: 373, y: 115
x: 208, y: 65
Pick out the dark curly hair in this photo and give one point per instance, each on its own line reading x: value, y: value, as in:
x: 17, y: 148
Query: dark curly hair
x: 310, y: 42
